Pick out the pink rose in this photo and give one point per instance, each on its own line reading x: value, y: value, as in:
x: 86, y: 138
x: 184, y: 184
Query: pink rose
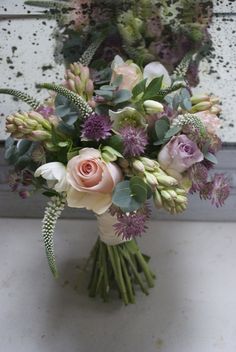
x: 92, y: 181
x: 211, y: 121
x: 131, y: 73
x: 178, y: 155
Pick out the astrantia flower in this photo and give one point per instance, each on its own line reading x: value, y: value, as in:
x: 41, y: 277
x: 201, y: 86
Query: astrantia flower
x: 134, y: 139
x: 217, y: 190
x: 46, y: 111
x: 133, y: 224
x: 198, y: 174
x: 96, y: 127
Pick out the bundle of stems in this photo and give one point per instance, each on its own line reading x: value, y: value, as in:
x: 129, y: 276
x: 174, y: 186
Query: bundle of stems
x: 122, y: 267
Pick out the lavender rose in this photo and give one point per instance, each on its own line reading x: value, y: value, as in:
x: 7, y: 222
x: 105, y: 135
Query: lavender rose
x: 178, y: 155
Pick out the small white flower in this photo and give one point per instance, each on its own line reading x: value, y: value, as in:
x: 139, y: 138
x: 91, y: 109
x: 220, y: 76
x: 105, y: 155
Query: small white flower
x: 55, y: 174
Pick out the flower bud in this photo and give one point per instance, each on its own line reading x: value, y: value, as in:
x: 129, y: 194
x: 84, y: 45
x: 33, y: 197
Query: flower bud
x: 205, y: 105
x: 157, y: 199
x: 40, y: 135
x: 215, y: 109
x: 166, y: 180
x: 195, y: 99
x: 148, y: 163
x: 138, y: 166
x: 151, y: 179
x: 166, y: 195
x: 109, y: 154
x: 215, y: 100
x: 181, y: 199
x: 152, y: 107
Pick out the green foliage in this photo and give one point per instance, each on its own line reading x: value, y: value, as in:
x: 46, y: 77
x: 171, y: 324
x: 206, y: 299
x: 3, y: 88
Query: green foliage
x: 161, y: 128
x: 65, y: 110
x: 151, y: 91
x: 139, y: 189
x: 123, y: 197
x: 77, y: 102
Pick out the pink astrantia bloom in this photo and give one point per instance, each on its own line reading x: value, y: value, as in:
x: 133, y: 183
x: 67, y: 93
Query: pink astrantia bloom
x: 217, y: 190
x: 133, y: 224
x: 134, y: 139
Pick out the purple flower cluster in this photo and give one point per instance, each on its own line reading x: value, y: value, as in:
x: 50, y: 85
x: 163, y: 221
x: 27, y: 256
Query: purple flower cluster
x: 134, y: 140
x: 132, y: 224
x: 96, y: 127
x: 18, y: 179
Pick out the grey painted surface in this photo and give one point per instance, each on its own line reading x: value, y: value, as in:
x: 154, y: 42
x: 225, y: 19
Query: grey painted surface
x: 12, y: 205
x: 191, y: 309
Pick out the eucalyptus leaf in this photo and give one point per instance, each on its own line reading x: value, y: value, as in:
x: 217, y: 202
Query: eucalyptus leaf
x: 9, y: 142
x: 161, y: 127
x: 139, y: 189
x: 172, y: 132
x: 122, y: 197
x: 186, y: 104
x: 10, y: 152
x: 211, y: 157
x: 122, y: 96
x: 23, y: 146
x: 118, y: 80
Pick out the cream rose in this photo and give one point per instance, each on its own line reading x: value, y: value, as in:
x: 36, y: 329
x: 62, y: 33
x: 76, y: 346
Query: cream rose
x: 92, y: 181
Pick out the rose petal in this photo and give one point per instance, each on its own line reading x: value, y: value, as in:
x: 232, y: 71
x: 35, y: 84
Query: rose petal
x: 97, y: 202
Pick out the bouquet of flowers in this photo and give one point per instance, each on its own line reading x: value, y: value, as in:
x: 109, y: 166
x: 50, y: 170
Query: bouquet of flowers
x: 114, y: 141
x: 144, y: 30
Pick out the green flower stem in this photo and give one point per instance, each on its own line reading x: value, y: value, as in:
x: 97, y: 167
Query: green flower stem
x: 120, y: 275
x: 129, y: 287
x: 135, y: 271
x: 122, y: 267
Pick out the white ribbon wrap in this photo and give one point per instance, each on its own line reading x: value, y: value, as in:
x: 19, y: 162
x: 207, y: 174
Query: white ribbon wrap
x: 106, y: 230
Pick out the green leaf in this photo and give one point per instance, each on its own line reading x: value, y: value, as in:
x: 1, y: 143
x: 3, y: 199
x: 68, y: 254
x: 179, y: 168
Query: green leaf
x: 116, y: 142
x: 9, y: 142
x: 153, y: 88
x: 122, y: 96
x: 161, y: 127
x: 118, y: 80
x: 23, y: 146
x: 211, y: 157
x: 139, y: 189
x: 10, y: 153
x: 186, y: 104
x: 139, y: 88
x: 172, y: 132
x: 122, y: 197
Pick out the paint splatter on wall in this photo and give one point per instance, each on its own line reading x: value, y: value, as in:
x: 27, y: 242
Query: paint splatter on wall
x: 27, y: 56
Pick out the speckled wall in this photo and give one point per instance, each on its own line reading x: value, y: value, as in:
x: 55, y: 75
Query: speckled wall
x: 27, y: 56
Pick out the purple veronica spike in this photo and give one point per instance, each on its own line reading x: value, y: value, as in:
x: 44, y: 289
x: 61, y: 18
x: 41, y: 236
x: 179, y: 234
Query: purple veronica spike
x: 96, y: 127
x: 134, y: 139
x: 133, y: 224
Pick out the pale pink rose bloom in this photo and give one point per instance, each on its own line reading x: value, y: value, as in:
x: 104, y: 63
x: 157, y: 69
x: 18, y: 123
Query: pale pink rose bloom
x: 178, y: 155
x: 211, y: 121
x: 131, y: 75
x: 92, y: 181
